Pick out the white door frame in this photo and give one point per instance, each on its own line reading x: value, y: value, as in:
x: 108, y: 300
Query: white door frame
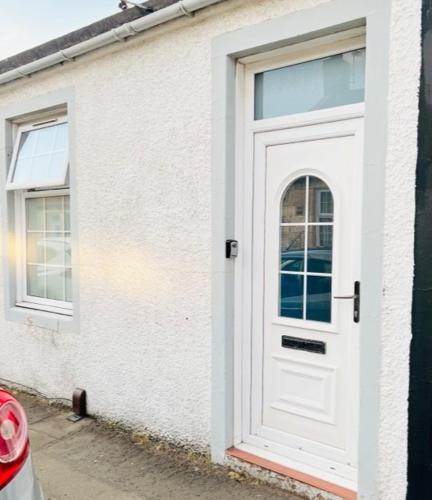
x: 247, y: 128
x: 332, y: 17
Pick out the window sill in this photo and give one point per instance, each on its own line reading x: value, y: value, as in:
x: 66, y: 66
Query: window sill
x: 33, y: 306
x: 24, y: 314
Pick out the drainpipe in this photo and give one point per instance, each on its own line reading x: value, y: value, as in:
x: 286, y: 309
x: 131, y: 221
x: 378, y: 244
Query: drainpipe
x: 174, y: 11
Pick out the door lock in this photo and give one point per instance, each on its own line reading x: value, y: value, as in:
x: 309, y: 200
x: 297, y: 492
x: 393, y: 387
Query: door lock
x: 231, y: 248
x: 356, y: 298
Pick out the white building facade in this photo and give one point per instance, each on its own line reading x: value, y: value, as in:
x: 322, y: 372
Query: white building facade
x: 286, y: 126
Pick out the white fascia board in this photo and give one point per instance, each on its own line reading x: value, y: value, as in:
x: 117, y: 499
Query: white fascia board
x: 182, y: 8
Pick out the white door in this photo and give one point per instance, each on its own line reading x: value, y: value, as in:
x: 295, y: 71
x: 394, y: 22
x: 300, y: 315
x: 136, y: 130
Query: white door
x: 300, y: 359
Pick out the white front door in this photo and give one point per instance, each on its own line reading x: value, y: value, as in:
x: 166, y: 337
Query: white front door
x: 301, y: 331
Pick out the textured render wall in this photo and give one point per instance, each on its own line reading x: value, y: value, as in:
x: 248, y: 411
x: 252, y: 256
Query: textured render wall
x: 143, y: 199
x: 399, y: 241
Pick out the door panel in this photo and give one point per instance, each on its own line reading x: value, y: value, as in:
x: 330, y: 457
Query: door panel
x: 306, y: 219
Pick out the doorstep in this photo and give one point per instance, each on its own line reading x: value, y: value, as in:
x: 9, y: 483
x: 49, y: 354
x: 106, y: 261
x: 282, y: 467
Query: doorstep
x: 315, y: 482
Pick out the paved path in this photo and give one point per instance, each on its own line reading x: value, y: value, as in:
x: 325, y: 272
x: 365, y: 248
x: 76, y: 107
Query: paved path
x: 89, y: 461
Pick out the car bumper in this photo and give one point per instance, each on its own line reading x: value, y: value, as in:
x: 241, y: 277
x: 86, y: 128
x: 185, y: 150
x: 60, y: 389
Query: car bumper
x: 24, y: 486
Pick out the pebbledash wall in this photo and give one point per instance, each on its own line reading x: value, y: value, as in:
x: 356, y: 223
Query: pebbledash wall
x: 141, y: 145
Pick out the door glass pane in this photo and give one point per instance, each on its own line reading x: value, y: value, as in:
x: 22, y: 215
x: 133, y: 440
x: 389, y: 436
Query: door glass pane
x: 320, y: 249
x: 294, y: 202
x: 306, y: 250
x: 291, y: 295
x: 320, y: 201
x: 318, y: 298
x: 292, y: 248
x: 322, y: 83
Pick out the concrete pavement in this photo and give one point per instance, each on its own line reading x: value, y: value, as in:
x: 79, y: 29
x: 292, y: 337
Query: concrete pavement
x: 91, y: 461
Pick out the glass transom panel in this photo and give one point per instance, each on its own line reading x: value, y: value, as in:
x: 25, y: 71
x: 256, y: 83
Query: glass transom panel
x: 306, y: 250
x: 323, y: 83
x: 41, y: 159
x: 48, y: 248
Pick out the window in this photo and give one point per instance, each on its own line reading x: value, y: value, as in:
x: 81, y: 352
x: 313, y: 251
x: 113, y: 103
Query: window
x: 322, y: 83
x: 40, y: 156
x: 38, y: 175
x: 306, y: 244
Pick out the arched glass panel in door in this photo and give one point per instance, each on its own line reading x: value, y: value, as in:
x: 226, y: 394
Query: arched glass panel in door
x: 306, y: 250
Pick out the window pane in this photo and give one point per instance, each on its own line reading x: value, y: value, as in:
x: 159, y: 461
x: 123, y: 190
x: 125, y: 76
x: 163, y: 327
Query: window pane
x: 291, y: 296
x: 292, y: 248
x: 66, y: 214
x: 320, y: 249
x: 23, y: 170
x: 35, y: 248
x: 320, y: 201
x: 42, y: 158
x: 55, y: 282
x: 294, y: 202
x: 54, y: 248
x: 323, y: 83
x: 68, y: 276
x: 67, y: 250
x: 48, y: 245
x: 35, y: 214
x: 27, y: 145
x: 318, y: 298
x: 54, y: 213
x: 36, y: 281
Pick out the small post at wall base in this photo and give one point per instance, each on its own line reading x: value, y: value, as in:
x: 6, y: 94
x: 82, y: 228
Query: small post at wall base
x: 79, y: 405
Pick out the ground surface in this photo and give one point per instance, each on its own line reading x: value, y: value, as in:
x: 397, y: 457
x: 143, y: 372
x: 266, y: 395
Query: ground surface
x: 90, y: 461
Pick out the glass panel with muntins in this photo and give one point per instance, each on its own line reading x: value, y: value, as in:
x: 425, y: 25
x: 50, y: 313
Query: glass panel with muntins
x: 328, y: 82
x: 42, y: 158
x: 48, y: 251
x: 306, y: 250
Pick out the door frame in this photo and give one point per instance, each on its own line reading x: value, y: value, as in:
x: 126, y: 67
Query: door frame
x: 247, y: 129
x: 334, y: 17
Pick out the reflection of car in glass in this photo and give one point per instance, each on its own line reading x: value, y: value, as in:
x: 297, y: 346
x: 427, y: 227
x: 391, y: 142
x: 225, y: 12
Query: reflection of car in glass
x: 17, y: 479
x: 319, y: 260
x: 318, y: 294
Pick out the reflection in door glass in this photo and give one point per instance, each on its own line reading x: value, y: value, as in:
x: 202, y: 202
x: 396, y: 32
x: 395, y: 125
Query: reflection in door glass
x: 306, y: 248
x: 318, y: 298
x: 294, y: 202
x: 292, y: 246
x: 291, y: 286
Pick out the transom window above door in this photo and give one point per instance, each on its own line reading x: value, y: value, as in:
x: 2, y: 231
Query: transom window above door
x: 327, y: 82
x: 306, y: 250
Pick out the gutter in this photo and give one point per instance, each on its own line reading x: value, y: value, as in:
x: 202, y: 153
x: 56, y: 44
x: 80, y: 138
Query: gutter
x: 174, y: 11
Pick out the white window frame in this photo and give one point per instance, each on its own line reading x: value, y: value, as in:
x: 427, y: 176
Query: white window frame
x: 21, y: 193
x: 22, y: 298
x: 49, y: 122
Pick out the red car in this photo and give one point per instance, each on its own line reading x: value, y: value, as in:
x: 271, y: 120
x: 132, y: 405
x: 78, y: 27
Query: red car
x: 17, y: 478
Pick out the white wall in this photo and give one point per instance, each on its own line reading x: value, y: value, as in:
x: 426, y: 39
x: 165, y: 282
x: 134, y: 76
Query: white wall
x: 399, y: 241
x: 143, y: 179
x: 142, y: 150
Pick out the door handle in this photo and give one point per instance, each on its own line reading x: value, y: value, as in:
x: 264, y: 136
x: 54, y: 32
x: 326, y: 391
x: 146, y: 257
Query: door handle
x: 356, y: 298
